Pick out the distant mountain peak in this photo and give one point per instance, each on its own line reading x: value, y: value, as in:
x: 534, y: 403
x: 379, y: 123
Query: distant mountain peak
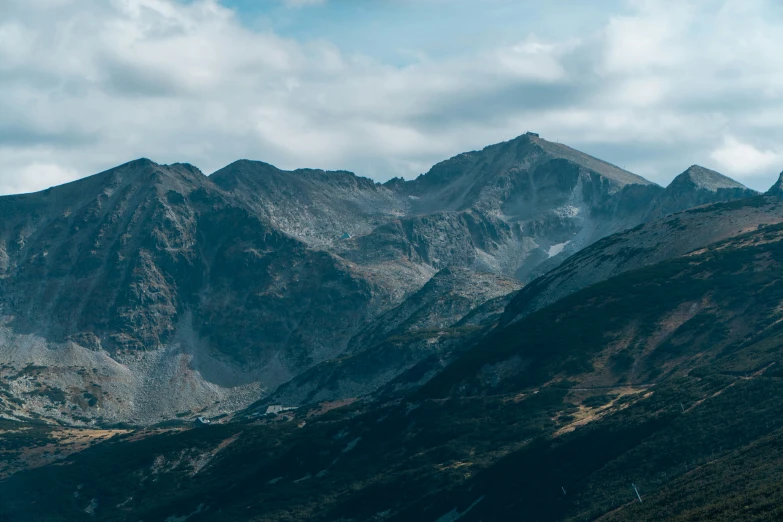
x: 506, y: 173
x: 246, y: 163
x: 777, y: 188
x: 139, y: 162
x: 604, y: 168
x: 245, y: 168
x: 142, y: 171
x: 703, y: 178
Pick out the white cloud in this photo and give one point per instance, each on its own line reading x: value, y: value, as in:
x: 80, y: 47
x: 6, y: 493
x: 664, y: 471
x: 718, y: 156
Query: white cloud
x: 36, y: 176
x: 744, y: 160
x: 90, y: 84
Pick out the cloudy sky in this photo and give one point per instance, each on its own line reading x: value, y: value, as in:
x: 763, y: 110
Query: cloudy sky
x: 387, y: 87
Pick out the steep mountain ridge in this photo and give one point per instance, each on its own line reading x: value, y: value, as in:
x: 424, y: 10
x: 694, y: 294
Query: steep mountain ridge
x: 777, y: 188
x: 521, y: 207
x: 514, y: 205
x: 316, y: 206
x: 491, y: 179
x: 71, y: 248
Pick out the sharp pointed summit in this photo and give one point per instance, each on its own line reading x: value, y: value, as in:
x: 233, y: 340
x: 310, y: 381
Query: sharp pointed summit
x: 698, y: 186
x: 702, y: 178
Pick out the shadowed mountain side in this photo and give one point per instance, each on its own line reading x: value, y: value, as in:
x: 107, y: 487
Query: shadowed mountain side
x: 777, y: 189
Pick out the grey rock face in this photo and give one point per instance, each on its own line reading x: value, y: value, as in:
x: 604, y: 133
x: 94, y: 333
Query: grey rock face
x: 514, y: 205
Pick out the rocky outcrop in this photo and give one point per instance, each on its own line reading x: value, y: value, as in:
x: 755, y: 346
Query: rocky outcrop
x: 698, y: 186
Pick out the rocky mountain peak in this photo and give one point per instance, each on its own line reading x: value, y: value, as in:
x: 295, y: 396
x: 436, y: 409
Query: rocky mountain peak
x: 777, y: 188
x: 702, y: 178
x: 510, y: 178
x: 258, y: 172
x: 138, y: 173
x: 605, y: 169
x: 230, y: 176
x: 316, y: 206
x: 142, y: 169
x: 523, y: 153
x: 697, y: 186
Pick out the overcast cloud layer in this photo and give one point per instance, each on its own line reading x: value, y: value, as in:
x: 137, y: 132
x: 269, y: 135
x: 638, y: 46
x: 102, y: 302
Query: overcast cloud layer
x: 654, y: 87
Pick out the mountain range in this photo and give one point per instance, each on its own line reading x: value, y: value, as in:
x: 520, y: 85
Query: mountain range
x: 523, y: 331
x: 163, y: 291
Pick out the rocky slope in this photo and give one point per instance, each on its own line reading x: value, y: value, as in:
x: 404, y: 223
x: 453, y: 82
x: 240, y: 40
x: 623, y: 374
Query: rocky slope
x: 514, y: 205
x: 640, y: 327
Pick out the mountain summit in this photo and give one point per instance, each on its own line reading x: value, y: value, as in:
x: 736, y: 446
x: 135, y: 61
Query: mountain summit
x: 706, y: 179
x: 502, y: 177
x: 697, y: 186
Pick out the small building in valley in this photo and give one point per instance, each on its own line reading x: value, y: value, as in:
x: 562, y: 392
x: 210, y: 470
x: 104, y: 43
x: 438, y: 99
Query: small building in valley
x: 278, y: 409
